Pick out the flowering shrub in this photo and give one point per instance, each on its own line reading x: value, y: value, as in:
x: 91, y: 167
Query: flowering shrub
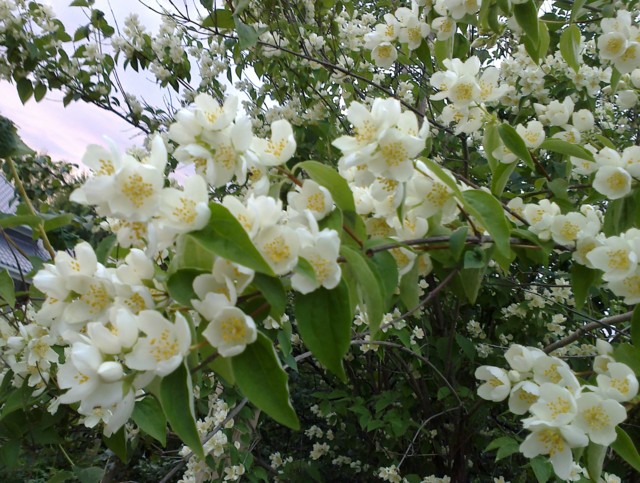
x: 394, y: 199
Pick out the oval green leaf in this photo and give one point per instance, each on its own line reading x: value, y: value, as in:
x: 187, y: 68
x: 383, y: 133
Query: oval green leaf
x: 148, y: 416
x: 324, y: 321
x: 262, y: 380
x: 225, y: 237
x: 489, y: 212
x: 371, y: 289
x: 176, y: 397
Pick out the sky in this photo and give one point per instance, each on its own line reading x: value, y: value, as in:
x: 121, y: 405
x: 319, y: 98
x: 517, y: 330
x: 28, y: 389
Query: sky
x: 64, y: 133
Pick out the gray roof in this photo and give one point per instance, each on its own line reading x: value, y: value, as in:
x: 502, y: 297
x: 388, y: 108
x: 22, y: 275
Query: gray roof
x: 15, y: 241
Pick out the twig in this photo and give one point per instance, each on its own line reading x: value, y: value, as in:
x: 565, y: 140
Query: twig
x: 27, y: 201
x: 422, y: 303
x: 605, y: 322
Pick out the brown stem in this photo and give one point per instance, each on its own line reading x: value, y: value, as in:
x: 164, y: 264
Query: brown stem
x: 604, y: 322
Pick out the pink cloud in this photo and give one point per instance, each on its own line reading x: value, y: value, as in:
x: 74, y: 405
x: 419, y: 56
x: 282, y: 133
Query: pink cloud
x: 64, y: 133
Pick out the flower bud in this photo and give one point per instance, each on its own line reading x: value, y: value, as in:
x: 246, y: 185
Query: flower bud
x: 110, y: 371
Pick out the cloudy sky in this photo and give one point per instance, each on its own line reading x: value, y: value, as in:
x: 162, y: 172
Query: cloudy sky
x: 64, y: 133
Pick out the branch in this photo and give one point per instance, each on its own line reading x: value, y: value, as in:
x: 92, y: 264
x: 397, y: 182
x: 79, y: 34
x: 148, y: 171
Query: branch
x: 27, y: 201
x: 605, y: 322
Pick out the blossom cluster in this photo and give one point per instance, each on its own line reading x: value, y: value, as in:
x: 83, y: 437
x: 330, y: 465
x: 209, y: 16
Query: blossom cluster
x: 565, y: 413
x: 620, y: 42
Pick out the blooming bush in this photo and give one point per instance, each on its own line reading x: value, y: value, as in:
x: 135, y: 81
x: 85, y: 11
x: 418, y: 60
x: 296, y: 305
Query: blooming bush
x: 393, y: 199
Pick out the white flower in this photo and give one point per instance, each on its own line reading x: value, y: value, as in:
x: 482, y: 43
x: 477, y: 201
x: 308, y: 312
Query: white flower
x: 583, y: 120
x: 211, y: 116
x: 627, y: 287
x: 612, y: 45
x: 557, y: 443
x: 532, y: 135
x: 394, y: 158
x: 599, y: 417
x: 522, y: 396
x: 555, y: 406
x: 629, y: 60
x: 631, y: 160
x: 384, y: 54
x: 497, y: 385
x: 522, y: 358
x: 164, y: 347
x: 279, y: 245
x: 279, y: 148
x: 313, y: 197
x: 620, y: 384
x: 444, y: 27
x: 119, y: 334
x: 612, y: 182
x: 322, y: 253
x: 230, y: 331
x: 616, y: 258
x: 187, y: 209
x: 547, y: 369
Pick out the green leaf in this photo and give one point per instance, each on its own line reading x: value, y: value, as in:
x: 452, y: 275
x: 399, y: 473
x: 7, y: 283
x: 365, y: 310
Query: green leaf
x: 303, y: 267
x: 264, y: 382
x: 515, y: 144
x: 247, y: 36
x: 180, y: 285
x: 409, y: 288
x: 59, y: 221
x: 242, y: 4
x: 569, y: 45
x: 595, y: 460
x: 192, y: 254
x: 635, y: 326
x: 273, y: 291
x: 566, y: 148
x: 491, y: 142
x: 624, y: 447
x: 176, y: 397
x: 501, y: 176
x: 9, y: 453
x: 148, y: 416
x: 92, y: 474
x: 117, y: 443
x: 105, y: 247
x: 81, y: 33
x: 500, y: 442
x: 222, y: 367
x: 25, y: 89
x: 7, y: 289
x: 39, y: 91
x: 9, y: 221
x: 225, y: 237
x: 544, y: 39
x: 527, y: 17
x: 385, y: 267
x: 443, y: 49
x: 371, y: 289
x: 324, y: 320
x: 471, y: 281
x: 582, y: 279
x: 219, y: 18
x: 489, y: 212
x: 629, y: 355
x: 329, y: 178
x: 542, y: 468
x: 457, y: 242
x: 575, y: 9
